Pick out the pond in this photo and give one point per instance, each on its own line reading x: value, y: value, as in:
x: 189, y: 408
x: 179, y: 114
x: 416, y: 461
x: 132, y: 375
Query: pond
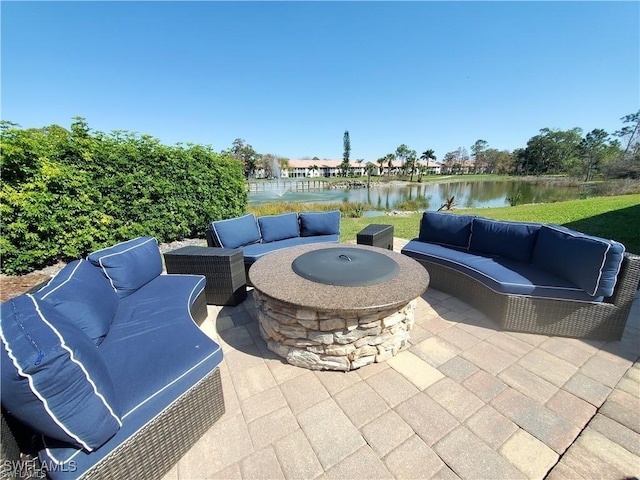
x: 429, y: 196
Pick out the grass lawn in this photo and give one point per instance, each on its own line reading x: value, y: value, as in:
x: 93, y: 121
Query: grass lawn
x: 615, y: 217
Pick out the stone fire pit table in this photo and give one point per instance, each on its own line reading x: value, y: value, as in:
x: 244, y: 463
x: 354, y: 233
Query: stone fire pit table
x: 325, y: 326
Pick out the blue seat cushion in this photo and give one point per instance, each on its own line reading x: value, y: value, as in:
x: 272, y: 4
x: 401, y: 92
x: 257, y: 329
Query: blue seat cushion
x: 129, y: 265
x: 236, y: 232
x: 155, y: 352
x: 53, y: 376
x: 254, y: 252
x: 500, y: 274
x: 82, y: 293
x: 513, y: 240
x: 279, y: 227
x: 592, y: 263
x: 445, y: 229
x: 319, y: 223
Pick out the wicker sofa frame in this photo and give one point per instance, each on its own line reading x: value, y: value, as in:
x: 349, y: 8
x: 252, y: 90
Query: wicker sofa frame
x: 567, y: 318
x: 155, y: 448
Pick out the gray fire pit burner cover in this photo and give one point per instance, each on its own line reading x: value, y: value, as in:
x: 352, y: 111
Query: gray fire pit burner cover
x: 345, y: 266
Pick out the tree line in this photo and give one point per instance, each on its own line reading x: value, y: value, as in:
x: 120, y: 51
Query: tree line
x: 615, y: 155
x: 551, y: 151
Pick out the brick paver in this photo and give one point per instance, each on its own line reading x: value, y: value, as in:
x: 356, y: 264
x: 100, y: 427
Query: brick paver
x: 484, y: 385
x: 553, y: 369
x: 435, y: 351
x: 361, y: 403
x: 571, y: 408
x: 529, y: 455
x: 489, y: 357
x: 414, y: 459
x: 304, y: 464
x: 458, y: 337
x: 464, y: 400
x: 416, y: 370
x: 536, y: 419
x: 588, y: 389
x: 491, y: 426
x: 303, y: 391
x: 330, y: 433
x: 392, y: 386
x: 469, y: 457
x: 362, y: 464
x: 458, y: 369
x: 268, y: 428
x: 262, y: 464
x: 428, y: 419
x: 386, y: 432
x: 528, y: 383
x: 456, y: 399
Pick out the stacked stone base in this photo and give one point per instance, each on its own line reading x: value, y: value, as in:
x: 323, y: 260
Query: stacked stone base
x: 333, y: 340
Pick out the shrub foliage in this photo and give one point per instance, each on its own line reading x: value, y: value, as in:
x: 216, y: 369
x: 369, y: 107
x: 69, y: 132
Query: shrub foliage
x: 66, y: 193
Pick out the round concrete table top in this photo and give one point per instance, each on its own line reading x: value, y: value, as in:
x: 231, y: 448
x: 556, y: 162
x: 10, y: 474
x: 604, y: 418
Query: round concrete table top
x: 274, y: 276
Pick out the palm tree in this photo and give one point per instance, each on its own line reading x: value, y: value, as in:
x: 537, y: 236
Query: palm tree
x: 283, y: 163
x: 313, y: 167
x: 411, y: 164
x: 426, y: 155
x: 369, y: 168
x: 381, y: 162
x: 422, y: 169
x: 390, y: 158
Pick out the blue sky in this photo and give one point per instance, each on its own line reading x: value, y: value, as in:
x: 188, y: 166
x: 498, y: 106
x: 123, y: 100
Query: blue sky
x: 291, y: 77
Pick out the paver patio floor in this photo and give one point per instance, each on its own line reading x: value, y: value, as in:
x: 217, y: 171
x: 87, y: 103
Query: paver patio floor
x: 465, y: 400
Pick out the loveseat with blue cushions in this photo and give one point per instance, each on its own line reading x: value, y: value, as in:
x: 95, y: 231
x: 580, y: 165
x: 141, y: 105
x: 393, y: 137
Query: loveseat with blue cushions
x: 105, y: 372
x: 258, y: 237
x: 530, y: 277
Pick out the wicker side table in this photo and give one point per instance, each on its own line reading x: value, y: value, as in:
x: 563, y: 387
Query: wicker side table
x: 376, y: 235
x: 223, y: 268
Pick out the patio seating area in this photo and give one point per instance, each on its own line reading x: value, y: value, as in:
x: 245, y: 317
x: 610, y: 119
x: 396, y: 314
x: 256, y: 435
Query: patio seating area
x: 463, y: 400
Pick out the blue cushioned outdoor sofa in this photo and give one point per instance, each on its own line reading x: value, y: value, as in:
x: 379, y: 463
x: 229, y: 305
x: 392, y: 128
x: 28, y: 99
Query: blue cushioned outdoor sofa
x: 107, y: 366
x: 530, y: 277
x: 258, y: 237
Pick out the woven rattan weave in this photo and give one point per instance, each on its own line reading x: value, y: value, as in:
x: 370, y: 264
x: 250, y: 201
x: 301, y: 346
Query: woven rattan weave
x: 376, y: 235
x: 601, y: 321
x: 223, y: 267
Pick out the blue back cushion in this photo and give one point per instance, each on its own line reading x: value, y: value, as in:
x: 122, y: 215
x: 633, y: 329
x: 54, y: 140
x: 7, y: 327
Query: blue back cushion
x: 82, y: 293
x: 445, y: 229
x: 319, y: 223
x: 512, y: 240
x: 236, y: 232
x: 129, y: 265
x: 53, y: 377
x: 279, y: 227
x: 590, y: 263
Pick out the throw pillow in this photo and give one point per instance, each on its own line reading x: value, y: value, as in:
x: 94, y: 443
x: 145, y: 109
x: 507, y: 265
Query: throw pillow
x: 236, y: 232
x: 445, y: 229
x: 279, y: 227
x: 129, y: 265
x: 82, y: 293
x: 513, y: 240
x: 591, y: 263
x: 319, y: 223
x: 53, y: 377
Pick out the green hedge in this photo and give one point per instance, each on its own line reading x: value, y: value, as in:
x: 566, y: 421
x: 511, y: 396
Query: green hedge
x: 66, y: 193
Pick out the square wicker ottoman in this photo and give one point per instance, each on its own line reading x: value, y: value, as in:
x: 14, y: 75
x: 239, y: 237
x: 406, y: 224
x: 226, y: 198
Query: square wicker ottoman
x: 223, y: 267
x: 377, y: 236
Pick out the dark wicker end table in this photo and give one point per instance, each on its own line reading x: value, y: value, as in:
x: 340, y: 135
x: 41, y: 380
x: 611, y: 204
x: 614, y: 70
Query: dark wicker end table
x: 376, y: 235
x: 223, y: 267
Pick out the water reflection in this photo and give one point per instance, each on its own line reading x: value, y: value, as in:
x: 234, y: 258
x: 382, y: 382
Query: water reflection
x: 431, y: 195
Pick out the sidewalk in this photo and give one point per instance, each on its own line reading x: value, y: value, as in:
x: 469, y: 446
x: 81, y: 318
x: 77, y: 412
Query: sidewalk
x: 464, y: 401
